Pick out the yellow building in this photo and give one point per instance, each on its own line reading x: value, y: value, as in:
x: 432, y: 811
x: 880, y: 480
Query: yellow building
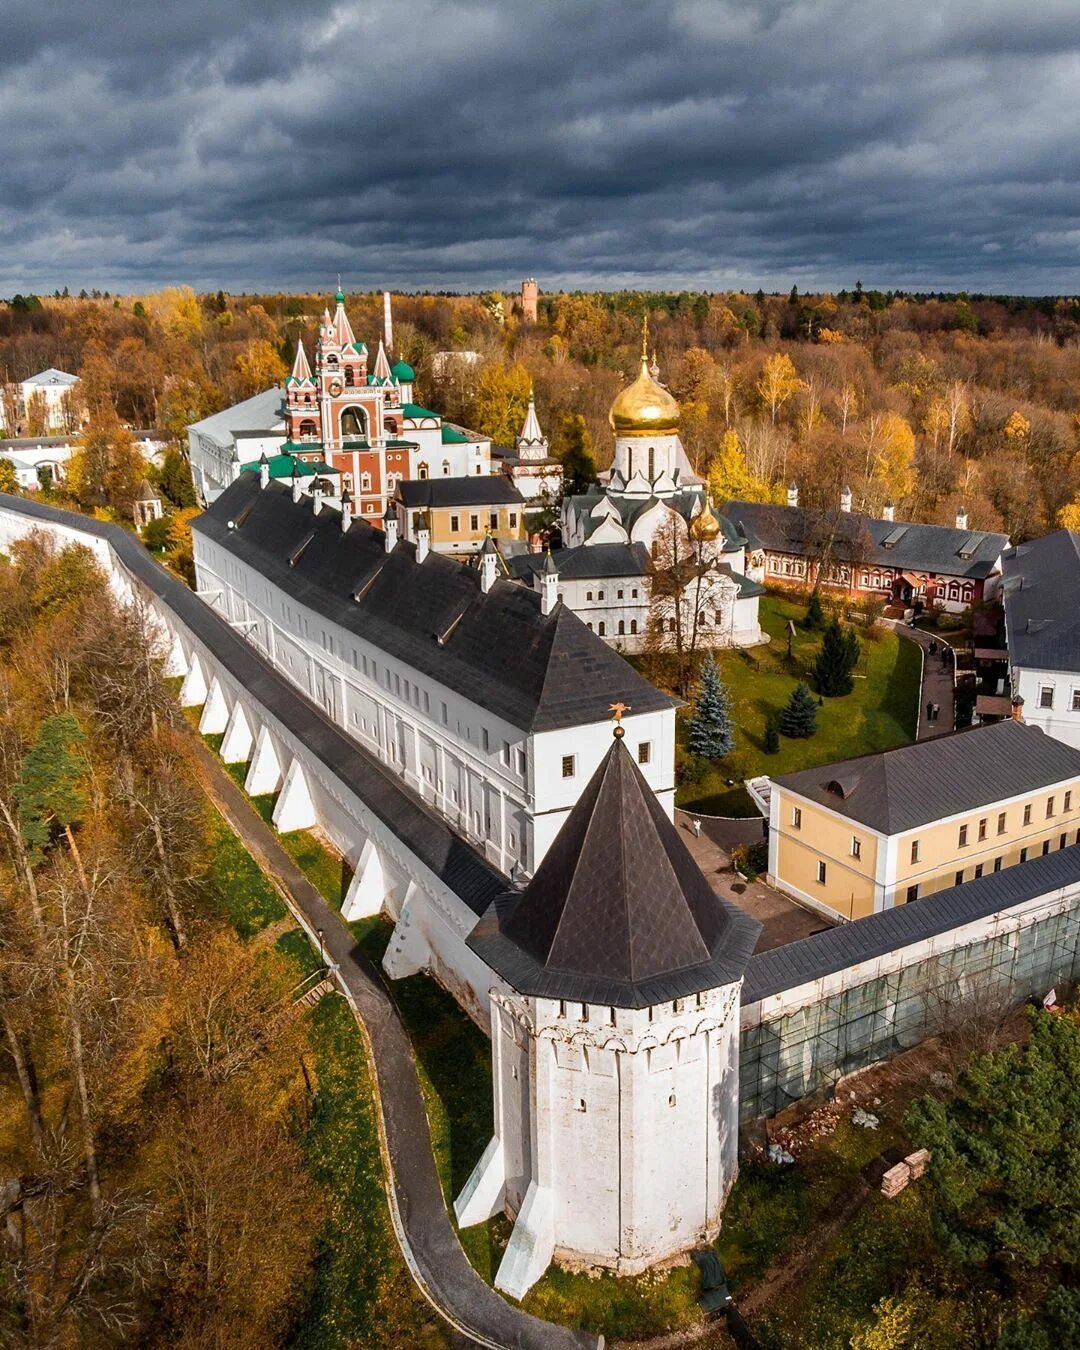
x: 460, y: 512
x: 865, y: 834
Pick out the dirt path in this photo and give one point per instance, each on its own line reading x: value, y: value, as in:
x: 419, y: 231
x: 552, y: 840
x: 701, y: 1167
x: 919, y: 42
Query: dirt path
x: 792, y: 1266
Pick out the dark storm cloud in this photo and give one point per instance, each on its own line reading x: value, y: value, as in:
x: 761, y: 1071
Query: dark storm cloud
x: 468, y: 142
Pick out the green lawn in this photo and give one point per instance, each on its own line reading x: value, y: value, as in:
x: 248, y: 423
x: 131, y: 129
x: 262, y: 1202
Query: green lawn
x: 235, y: 886
x: 328, y: 872
x: 881, y: 711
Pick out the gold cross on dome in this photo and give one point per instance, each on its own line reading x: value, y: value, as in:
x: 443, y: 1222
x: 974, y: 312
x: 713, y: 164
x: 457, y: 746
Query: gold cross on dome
x: 617, y: 710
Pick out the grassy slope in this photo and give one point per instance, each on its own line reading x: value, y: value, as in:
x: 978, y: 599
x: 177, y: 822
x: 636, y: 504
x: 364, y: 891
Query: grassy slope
x: 360, y: 1291
x: 881, y: 711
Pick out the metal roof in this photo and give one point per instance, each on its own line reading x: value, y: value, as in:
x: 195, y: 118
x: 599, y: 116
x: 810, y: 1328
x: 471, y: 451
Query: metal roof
x: 1042, y: 617
x: 857, y: 538
x: 912, y: 785
x: 491, y: 489
x: 263, y: 412
x: 538, y: 672
x: 837, y: 949
x: 618, y: 911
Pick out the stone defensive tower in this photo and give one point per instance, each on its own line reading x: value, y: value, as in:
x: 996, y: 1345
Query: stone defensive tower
x: 530, y: 294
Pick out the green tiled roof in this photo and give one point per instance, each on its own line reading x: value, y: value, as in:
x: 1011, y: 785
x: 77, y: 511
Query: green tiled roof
x: 281, y: 466
x: 402, y: 372
x: 451, y: 436
x: 415, y: 410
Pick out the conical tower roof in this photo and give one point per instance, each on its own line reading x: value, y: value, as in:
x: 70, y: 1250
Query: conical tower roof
x: 382, y: 365
x: 618, y: 912
x: 343, y: 333
x: 530, y: 434
x: 300, y: 370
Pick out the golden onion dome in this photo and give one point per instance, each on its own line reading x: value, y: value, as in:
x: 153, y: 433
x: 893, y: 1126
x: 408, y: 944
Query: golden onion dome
x: 705, y: 525
x: 644, y: 408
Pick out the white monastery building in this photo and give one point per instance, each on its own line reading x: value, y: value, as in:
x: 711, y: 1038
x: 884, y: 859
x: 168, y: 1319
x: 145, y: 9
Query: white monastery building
x: 52, y: 390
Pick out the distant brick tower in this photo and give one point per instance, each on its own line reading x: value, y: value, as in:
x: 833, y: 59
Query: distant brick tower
x: 530, y: 293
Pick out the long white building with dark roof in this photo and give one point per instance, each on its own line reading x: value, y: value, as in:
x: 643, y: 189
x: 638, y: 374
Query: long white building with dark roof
x: 490, y: 699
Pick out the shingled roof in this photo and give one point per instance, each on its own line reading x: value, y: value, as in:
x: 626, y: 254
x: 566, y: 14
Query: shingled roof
x: 538, y: 672
x: 617, y: 912
x: 913, y: 785
x: 1042, y: 620
x: 853, y: 537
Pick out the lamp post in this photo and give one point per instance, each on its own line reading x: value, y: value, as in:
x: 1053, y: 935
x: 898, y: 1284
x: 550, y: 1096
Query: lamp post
x: 322, y: 959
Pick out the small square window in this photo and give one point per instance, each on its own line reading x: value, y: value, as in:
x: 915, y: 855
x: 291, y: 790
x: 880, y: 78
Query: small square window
x: 958, y: 880
x: 568, y: 766
x: 455, y: 524
x: 821, y: 873
x: 1046, y: 696
x: 1076, y: 700
x: 912, y: 893
x: 796, y: 817
x: 1046, y: 847
x: 978, y: 870
x: 493, y: 520
x: 620, y: 595
x: 644, y: 752
x: 997, y: 864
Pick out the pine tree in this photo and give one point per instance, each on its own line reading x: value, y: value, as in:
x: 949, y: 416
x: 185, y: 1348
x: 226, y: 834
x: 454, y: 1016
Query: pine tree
x: 772, y: 733
x: 815, y: 615
x: 710, y: 732
x: 836, y: 661
x: 799, y: 718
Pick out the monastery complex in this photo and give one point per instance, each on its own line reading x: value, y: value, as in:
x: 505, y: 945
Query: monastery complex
x: 379, y: 639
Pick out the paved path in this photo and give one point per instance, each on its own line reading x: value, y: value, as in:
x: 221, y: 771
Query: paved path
x: 429, y: 1242
x: 938, y: 684
x: 783, y: 920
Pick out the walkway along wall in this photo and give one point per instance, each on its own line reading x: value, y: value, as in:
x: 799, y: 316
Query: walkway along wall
x: 818, y: 1009
x: 406, y: 861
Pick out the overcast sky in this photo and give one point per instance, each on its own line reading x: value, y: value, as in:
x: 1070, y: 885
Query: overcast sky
x: 247, y: 144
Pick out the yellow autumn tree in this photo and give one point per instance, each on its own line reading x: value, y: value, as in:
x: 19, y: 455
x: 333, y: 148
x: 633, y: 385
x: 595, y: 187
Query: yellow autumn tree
x: 777, y: 383
x: 1069, y: 516
x: 258, y: 367
x: 501, y: 400
x: 1017, y: 427
x: 890, y: 458
x: 730, y: 477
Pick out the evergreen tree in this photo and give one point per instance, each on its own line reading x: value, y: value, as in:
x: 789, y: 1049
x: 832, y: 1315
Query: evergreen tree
x: 772, y: 733
x: 576, y: 453
x: 815, y: 615
x: 710, y: 732
x: 799, y: 718
x: 836, y: 661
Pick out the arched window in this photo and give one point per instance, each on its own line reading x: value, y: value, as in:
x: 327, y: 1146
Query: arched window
x: 622, y: 628
x: 349, y: 375
x: 633, y: 626
x: 652, y: 463
x: 671, y: 625
x: 354, y: 423
x: 446, y: 468
x: 365, y: 482
x: 601, y: 630
x: 308, y: 430
x: 421, y: 470
x: 589, y: 627
x: 331, y: 360
x: 392, y: 425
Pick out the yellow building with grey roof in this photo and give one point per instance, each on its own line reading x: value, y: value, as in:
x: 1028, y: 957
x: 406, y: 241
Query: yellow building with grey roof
x: 862, y: 835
